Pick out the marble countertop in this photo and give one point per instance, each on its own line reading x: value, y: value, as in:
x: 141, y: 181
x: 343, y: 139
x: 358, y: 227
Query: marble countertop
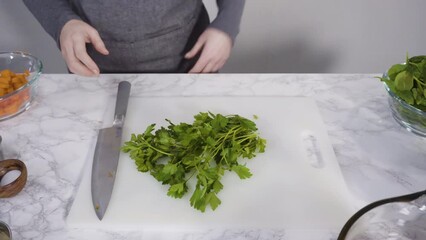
x: 378, y: 158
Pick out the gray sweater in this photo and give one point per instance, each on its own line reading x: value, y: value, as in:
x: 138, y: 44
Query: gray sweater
x: 53, y: 14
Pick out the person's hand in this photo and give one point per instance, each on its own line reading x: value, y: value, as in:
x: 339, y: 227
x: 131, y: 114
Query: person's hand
x: 74, y: 36
x: 215, y: 47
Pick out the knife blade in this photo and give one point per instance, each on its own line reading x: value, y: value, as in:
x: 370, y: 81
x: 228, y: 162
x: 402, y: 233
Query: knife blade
x: 107, y: 152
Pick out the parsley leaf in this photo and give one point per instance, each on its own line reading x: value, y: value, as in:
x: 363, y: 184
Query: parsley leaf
x: 177, y: 190
x: 242, y: 171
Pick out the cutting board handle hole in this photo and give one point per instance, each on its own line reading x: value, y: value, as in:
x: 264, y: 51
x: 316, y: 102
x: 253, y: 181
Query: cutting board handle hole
x: 313, y: 152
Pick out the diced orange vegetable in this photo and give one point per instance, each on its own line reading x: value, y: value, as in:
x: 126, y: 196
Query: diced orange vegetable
x: 16, y: 80
x: 12, y: 108
x: 6, y: 73
x: 4, y: 80
x: 25, y: 95
x: 10, y: 82
x: 17, y: 85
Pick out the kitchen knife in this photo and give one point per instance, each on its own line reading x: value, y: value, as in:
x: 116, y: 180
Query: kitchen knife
x: 107, y: 152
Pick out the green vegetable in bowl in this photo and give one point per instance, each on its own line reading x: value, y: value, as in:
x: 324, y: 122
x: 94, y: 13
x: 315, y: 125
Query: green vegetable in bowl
x: 207, y: 148
x: 408, y: 81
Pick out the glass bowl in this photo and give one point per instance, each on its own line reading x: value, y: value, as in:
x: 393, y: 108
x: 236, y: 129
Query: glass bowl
x: 19, y: 100
x: 411, y: 118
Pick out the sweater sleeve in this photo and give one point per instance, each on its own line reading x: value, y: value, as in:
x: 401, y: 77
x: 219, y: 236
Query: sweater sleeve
x: 52, y: 15
x: 229, y: 17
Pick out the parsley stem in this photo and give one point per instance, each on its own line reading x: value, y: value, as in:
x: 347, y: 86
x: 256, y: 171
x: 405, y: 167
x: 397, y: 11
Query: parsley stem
x: 156, y: 149
x: 193, y: 173
x: 246, y: 137
x: 223, y: 157
x: 222, y: 139
x: 233, y: 129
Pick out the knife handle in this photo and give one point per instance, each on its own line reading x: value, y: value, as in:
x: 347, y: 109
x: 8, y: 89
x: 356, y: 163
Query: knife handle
x: 123, y: 94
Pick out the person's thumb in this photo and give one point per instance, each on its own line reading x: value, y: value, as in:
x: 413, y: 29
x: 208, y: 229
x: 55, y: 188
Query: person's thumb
x: 195, y: 49
x: 97, y: 42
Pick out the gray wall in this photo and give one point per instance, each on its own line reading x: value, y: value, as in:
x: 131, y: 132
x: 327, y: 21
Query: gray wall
x: 328, y: 36
x: 21, y: 32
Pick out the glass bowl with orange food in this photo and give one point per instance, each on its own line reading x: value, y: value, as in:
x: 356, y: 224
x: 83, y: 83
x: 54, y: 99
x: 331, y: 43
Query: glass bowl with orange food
x: 19, y: 75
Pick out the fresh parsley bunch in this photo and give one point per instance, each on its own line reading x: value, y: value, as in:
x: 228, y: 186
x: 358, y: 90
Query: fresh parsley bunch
x: 207, y: 148
x: 408, y: 81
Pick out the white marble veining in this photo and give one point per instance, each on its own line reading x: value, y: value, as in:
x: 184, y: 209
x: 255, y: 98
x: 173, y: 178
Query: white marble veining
x: 378, y: 158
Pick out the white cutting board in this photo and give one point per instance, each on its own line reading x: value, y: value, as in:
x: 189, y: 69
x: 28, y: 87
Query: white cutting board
x: 296, y: 183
